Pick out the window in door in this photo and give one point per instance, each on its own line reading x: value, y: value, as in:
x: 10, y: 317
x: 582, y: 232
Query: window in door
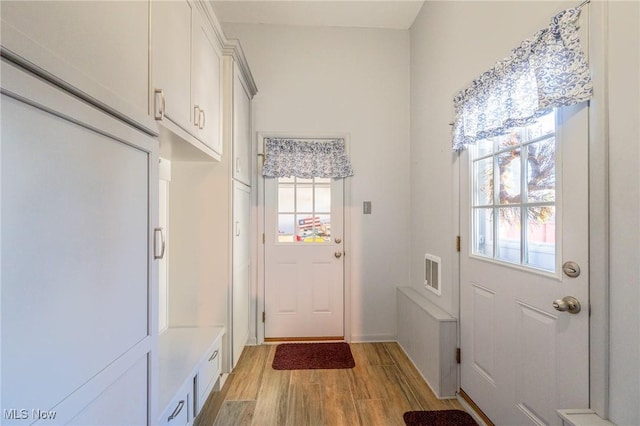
x: 304, y: 210
x: 514, y: 196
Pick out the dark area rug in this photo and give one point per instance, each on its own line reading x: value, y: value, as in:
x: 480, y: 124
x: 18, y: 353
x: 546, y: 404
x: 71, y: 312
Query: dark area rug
x: 310, y: 356
x: 439, y: 418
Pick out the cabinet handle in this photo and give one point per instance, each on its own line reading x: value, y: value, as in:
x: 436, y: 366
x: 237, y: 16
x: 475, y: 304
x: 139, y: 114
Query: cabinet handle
x: 203, y: 119
x: 176, y: 411
x: 237, y: 164
x: 237, y: 229
x: 158, y: 113
x: 214, y: 355
x: 155, y: 243
x: 196, y: 116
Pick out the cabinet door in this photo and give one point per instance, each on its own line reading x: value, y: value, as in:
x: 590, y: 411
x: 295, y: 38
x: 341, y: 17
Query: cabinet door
x: 241, y: 269
x: 100, y: 48
x: 241, y: 131
x: 206, y: 75
x: 76, y: 219
x: 171, y: 58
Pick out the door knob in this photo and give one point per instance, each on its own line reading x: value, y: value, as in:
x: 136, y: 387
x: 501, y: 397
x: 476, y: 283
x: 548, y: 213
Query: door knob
x: 338, y: 254
x: 568, y: 303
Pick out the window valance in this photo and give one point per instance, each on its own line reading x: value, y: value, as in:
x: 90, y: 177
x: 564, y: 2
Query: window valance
x: 306, y: 158
x: 546, y: 71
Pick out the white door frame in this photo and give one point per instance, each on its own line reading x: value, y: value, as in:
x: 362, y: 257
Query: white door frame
x: 260, y: 266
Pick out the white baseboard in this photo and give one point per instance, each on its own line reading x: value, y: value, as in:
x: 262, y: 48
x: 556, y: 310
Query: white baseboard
x: 372, y: 338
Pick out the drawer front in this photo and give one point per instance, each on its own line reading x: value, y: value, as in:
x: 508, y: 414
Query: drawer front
x: 177, y: 413
x: 208, y: 373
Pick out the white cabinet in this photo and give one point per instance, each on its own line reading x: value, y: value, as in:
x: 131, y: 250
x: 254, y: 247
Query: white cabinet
x: 99, y: 48
x: 189, y: 368
x: 208, y: 374
x: 186, y: 75
x: 239, y: 89
x: 241, y: 279
x: 206, y: 77
x: 77, y: 280
x: 241, y: 129
x: 171, y: 59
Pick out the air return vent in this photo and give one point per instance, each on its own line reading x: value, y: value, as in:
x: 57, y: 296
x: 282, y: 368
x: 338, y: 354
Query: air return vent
x: 432, y: 273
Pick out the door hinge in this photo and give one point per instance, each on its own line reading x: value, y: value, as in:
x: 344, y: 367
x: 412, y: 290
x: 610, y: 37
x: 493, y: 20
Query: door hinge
x: 264, y: 316
x: 458, y: 243
x: 263, y: 238
x: 457, y: 355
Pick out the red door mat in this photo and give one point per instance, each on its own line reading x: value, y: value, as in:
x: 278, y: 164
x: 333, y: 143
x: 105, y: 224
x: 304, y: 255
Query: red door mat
x: 439, y: 418
x: 310, y: 356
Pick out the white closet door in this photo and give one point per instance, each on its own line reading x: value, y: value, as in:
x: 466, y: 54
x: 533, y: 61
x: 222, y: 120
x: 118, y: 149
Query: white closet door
x: 75, y: 253
x: 241, y: 268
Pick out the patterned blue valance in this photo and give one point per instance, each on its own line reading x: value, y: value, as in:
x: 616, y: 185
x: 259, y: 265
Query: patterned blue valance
x: 305, y: 158
x: 546, y: 71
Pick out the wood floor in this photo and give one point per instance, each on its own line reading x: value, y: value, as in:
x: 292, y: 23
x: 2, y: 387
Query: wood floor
x: 382, y: 386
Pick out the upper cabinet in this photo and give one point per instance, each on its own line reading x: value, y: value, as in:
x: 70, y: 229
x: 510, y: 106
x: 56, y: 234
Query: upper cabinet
x: 100, y: 49
x: 240, y: 88
x: 186, y: 78
x: 241, y: 129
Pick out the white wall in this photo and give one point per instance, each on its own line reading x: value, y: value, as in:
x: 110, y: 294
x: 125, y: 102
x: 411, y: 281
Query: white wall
x: 624, y: 216
x: 355, y: 81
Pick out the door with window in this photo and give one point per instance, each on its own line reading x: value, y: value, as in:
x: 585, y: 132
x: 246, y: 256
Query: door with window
x: 304, y: 268
x: 524, y: 205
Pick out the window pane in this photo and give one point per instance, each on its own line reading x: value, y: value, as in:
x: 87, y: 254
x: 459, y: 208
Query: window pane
x: 545, y: 125
x: 510, y: 139
x: 307, y: 225
x: 301, y: 180
x: 484, y: 147
x: 304, y: 201
x: 508, y: 244
x: 285, y: 198
x: 483, y: 232
x: 286, y: 228
x: 322, y: 180
x: 510, y: 169
x: 323, y: 199
x: 541, y: 171
x: 286, y: 180
x: 324, y: 229
x: 541, y: 237
x: 483, y: 178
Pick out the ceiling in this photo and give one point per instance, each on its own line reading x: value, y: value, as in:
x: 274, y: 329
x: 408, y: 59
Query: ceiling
x: 393, y: 14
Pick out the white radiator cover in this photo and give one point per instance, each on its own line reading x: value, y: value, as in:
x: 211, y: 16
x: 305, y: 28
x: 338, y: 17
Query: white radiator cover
x: 428, y: 335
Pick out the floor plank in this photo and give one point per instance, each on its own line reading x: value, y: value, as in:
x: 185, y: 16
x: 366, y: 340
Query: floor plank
x: 237, y: 413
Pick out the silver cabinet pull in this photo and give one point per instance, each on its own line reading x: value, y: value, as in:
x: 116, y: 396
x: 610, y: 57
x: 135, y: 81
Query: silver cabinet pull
x: 214, y: 355
x: 204, y: 117
x: 157, y: 231
x: 237, y: 229
x: 176, y: 411
x: 196, y: 116
x: 158, y: 113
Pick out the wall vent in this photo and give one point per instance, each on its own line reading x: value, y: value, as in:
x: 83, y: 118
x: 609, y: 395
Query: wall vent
x: 432, y: 273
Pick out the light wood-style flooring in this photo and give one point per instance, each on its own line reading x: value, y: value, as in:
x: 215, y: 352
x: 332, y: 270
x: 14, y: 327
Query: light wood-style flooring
x: 382, y: 386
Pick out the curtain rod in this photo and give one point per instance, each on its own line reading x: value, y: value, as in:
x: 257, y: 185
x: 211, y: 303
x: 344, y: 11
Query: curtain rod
x: 583, y: 3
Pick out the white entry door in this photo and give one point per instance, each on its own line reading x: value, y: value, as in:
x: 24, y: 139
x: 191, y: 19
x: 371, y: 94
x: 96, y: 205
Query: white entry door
x: 524, y: 205
x: 304, y: 267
